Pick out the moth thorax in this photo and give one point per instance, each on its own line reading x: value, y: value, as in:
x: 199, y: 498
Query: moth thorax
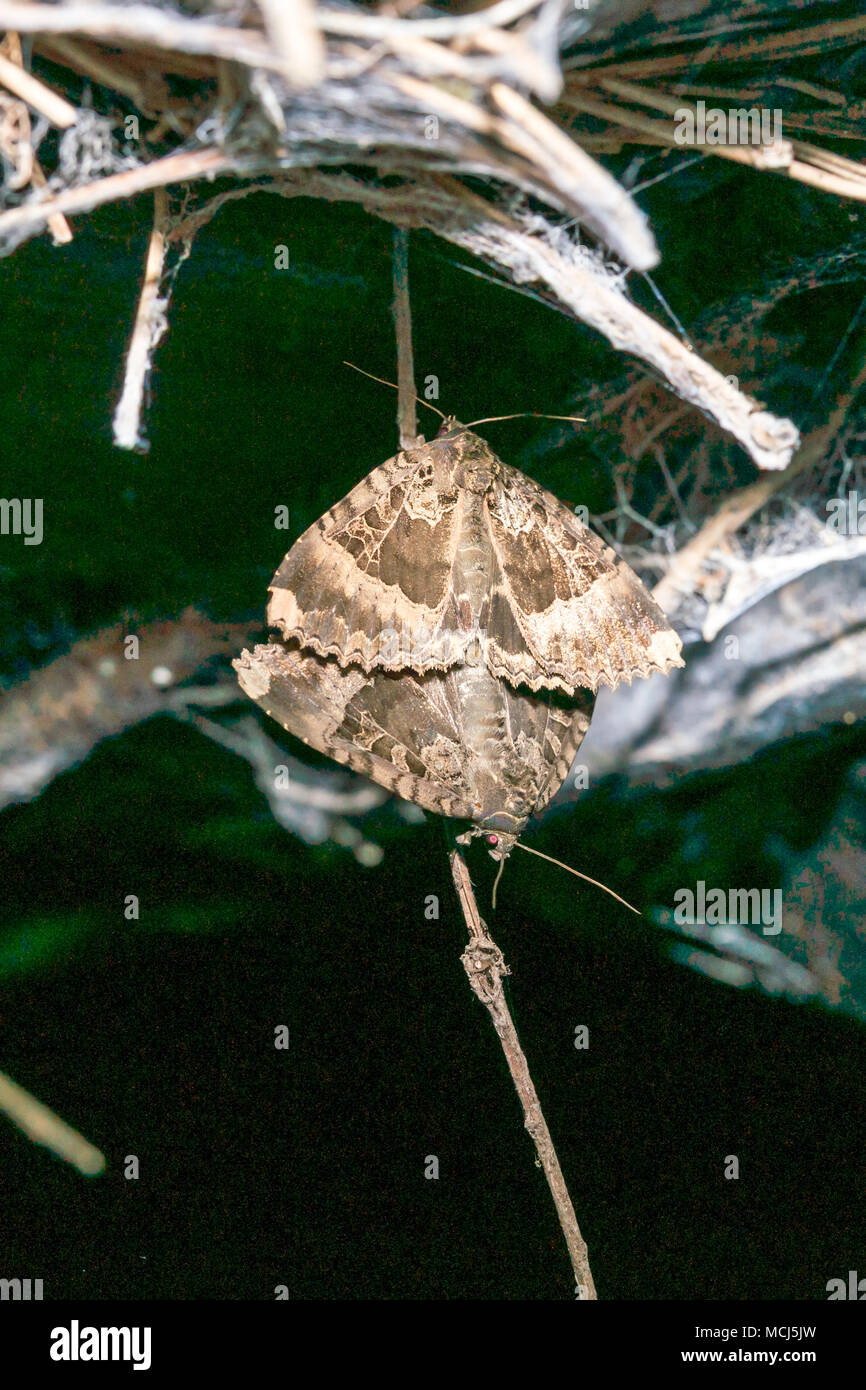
x: 478, y: 464
x: 476, y: 476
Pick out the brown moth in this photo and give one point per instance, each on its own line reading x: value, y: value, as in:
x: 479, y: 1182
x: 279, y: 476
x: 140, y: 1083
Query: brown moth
x: 444, y: 630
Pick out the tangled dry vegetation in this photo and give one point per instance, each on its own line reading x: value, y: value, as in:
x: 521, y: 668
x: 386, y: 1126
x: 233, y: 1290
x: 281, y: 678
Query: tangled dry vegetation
x: 482, y: 126
x: 487, y: 127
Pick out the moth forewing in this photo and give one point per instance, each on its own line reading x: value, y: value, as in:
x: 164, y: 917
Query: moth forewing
x: 370, y: 582
x: 444, y: 542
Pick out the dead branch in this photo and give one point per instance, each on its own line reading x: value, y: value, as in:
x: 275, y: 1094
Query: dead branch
x: 407, y: 415
x: 52, y: 720
x: 150, y: 325
x: 174, y: 168
x: 737, y: 508
x: 485, y: 969
x: 23, y: 84
x: 314, y: 806
x: 44, y: 1127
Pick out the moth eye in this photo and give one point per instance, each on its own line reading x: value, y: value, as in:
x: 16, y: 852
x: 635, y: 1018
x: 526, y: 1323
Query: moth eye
x: 493, y: 839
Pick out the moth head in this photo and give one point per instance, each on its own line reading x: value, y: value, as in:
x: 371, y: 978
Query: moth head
x: 474, y: 462
x: 500, y: 832
x: 500, y: 842
x: 450, y: 427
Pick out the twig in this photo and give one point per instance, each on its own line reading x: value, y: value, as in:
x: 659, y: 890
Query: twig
x: 150, y: 325
x: 147, y: 24
x: 560, y: 168
x: 55, y: 717
x: 776, y: 157
x: 603, y: 204
x: 82, y: 59
x: 48, y: 104
x: 485, y: 968
x: 24, y: 85
x: 142, y: 24
x: 815, y: 166
x: 292, y: 28
x: 407, y: 415
x: 44, y: 1127
x: 174, y: 168
x: 799, y: 43
x: 61, y: 232
x: 528, y: 67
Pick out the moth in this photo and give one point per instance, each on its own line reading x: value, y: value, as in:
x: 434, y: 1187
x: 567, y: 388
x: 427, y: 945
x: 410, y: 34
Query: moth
x: 444, y: 630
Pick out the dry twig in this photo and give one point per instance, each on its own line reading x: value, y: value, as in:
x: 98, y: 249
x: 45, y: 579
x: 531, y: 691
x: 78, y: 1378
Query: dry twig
x: 485, y: 968
x: 736, y: 509
x: 150, y: 325
x: 23, y: 84
x: 407, y: 415
x: 44, y: 1127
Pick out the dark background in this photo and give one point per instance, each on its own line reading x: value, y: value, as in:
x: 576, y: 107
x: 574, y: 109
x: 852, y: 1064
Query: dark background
x: 155, y: 1037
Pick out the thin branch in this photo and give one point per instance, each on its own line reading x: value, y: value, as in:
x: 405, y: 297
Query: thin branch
x: 751, y: 48
x: 739, y: 506
x: 292, y: 28
x: 24, y: 85
x: 565, y: 173
x: 61, y: 232
x: 174, y: 168
x: 603, y: 205
x: 793, y: 158
x: 485, y: 968
x: 142, y: 24
x: 163, y: 29
x: 445, y: 27
x: 150, y: 325
x: 44, y: 1127
x: 91, y: 63
x: 407, y: 415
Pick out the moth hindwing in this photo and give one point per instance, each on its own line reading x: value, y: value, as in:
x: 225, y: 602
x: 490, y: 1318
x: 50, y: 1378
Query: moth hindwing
x: 461, y: 742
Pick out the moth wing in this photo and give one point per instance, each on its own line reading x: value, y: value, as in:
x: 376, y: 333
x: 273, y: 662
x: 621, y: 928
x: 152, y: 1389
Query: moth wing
x: 396, y: 730
x: 370, y: 581
x: 564, y: 732
x: 565, y: 610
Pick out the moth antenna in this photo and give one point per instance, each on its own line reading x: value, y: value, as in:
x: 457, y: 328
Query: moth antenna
x: 382, y: 382
x: 578, y: 874
x: 527, y: 414
x: 496, y: 884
